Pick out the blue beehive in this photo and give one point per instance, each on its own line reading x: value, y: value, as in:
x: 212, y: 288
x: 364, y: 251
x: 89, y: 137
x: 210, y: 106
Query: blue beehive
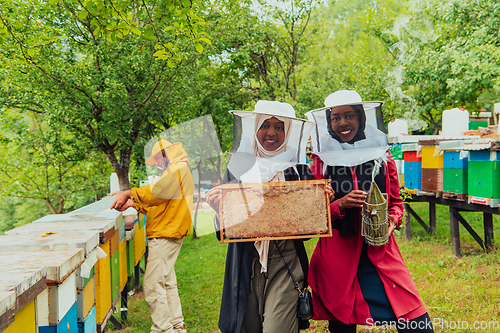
x: 413, y: 175
x: 484, y: 155
x: 455, y: 160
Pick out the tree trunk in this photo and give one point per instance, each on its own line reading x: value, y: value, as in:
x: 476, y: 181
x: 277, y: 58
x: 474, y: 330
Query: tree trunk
x: 121, y: 167
x: 197, y: 201
x: 51, y: 206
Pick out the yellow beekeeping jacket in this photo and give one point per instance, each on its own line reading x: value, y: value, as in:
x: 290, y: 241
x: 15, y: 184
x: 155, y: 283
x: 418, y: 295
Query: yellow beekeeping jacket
x: 168, y: 202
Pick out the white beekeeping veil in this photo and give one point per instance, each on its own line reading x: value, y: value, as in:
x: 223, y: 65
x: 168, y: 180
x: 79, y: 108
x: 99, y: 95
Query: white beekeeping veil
x: 250, y: 162
x: 189, y: 147
x: 370, y: 143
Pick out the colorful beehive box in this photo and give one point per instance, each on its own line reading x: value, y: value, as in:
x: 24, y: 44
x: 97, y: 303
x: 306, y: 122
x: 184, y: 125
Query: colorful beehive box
x: 130, y: 250
x: 19, y: 286
x: 412, y: 156
x: 86, y: 299
x: 24, y: 320
x: 103, y: 284
x: 484, y: 179
x: 455, y: 180
x: 56, y: 307
x: 123, y: 264
x: 413, y: 175
x: 484, y: 155
x: 98, y: 228
x: 455, y: 160
x: 115, y: 275
x: 139, y: 240
x: 432, y: 157
x: 89, y: 325
x: 104, y: 224
x: 432, y: 179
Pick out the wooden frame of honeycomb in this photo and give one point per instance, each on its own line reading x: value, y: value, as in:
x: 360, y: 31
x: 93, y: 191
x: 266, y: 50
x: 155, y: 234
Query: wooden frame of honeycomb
x: 274, y: 210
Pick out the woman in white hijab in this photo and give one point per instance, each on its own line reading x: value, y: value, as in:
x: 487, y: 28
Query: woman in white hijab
x: 259, y: 294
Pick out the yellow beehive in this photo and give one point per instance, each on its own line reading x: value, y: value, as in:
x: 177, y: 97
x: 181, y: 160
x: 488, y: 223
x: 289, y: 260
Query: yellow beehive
x: 89, y: 296
x: 24, y: 320
x: 123, y: 263
x: 115, y: 243
x: 103, y: 284
x: 139, y: 244
x: 432, y: 157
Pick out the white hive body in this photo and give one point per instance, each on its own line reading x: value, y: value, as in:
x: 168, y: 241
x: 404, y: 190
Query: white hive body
x: 374, y: 225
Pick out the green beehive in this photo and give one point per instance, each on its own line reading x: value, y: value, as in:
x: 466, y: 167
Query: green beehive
x: 484, y: 179
x: 115, y: 275
x: 455, y: 180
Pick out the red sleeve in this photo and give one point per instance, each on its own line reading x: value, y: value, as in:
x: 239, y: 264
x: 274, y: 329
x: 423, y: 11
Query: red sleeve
x: 317, y: 171
x: 335, y: 211
x: 317, y: 167
x: 395, y: 201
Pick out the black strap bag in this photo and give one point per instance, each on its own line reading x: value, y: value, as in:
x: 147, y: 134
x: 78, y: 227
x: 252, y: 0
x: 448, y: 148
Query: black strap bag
x: 304, y: 307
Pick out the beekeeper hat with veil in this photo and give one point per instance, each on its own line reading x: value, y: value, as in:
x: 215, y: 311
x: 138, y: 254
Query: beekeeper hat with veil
x: 369, y: 143
x: 183, y: 149
x: 250, y: 161
x: 350, y: 141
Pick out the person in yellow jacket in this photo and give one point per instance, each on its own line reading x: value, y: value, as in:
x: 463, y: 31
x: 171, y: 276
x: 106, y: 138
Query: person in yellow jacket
x: 167, y: 205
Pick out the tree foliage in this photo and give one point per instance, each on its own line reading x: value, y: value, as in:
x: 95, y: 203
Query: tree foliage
x: 38, y: 162
x: 447, y: 56
x: 90, y: 66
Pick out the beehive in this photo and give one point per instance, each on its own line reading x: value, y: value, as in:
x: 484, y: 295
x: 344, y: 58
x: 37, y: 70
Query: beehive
x: 432, y: 157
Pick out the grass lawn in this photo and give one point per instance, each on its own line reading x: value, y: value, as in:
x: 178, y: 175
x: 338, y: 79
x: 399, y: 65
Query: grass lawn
x: 455, y: 291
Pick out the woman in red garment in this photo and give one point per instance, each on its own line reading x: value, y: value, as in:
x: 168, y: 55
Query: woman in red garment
x: 352, y: 282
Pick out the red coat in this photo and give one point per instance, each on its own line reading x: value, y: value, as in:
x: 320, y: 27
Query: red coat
x: 333, y: 267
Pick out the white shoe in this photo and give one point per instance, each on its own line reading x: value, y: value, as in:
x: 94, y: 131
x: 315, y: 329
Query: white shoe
x: 181, y: 329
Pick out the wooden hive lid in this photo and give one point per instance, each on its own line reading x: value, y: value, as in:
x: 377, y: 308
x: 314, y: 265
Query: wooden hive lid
x: 86, y: 240
x: 59, y: 264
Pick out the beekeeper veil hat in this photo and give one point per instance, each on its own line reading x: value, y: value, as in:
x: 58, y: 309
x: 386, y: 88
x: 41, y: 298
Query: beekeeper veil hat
x: 250, y: 162
x: 369, y: 143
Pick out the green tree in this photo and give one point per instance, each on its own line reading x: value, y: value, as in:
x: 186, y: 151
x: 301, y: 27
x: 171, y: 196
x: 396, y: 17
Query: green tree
x: 447, y: 56
x: 38, y: 162
x: 344, y: 55
x: 92, y: 67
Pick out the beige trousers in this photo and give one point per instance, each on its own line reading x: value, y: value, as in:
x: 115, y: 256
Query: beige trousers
x: 160, y: 285
x: 272, y: 299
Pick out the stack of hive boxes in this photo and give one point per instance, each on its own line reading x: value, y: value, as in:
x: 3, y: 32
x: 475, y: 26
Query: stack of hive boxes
x: 19, y: 286
x: 57, y: 307
x: 455, y: 175
x: 81, y: 296
x: 432, y: 168
x: 413, y: 166
x: 106, y: 224
x: 484, y: 177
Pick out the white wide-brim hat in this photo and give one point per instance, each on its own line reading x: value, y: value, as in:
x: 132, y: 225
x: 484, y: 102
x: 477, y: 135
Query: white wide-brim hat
x: 348, y: 97
x: 271, y: 108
